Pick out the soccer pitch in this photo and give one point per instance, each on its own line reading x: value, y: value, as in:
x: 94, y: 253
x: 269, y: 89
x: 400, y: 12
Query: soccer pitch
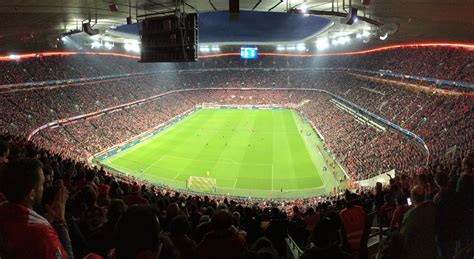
x: 249, y: 152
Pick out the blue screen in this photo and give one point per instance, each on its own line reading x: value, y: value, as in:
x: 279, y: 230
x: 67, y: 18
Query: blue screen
x: 248, y: 52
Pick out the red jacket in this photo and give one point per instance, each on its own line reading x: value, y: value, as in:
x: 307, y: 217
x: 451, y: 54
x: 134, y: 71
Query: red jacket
x: 353, y: 221
x: 26, y: 234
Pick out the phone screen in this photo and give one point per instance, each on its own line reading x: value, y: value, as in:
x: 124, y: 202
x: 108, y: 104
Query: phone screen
x: 409, y: 201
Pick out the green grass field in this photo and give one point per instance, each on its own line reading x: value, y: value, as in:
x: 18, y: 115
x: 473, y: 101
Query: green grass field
x: 258, y: 153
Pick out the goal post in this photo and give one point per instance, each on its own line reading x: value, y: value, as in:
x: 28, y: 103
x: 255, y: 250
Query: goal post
x: 201, y: 184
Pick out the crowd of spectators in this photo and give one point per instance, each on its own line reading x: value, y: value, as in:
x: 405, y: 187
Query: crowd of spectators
x: 444, y: 63
x: 443, y: 121
x: 57, y: 207
x: 66, y: 67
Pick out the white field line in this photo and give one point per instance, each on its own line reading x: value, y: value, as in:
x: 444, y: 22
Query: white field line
x: 152, y: 164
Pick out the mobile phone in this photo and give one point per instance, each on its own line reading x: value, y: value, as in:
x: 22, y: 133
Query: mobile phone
x: 409, y: 201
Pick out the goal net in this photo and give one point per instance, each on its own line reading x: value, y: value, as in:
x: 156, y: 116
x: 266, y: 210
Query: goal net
x: 201, y: 184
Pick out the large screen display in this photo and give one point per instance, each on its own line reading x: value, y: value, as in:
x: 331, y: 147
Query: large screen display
x: 248, y: 52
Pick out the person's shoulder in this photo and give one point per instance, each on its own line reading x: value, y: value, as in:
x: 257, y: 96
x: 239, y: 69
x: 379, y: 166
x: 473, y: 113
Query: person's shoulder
x: 343, y: 211
x: 45, y: 231
x: 429, y: 205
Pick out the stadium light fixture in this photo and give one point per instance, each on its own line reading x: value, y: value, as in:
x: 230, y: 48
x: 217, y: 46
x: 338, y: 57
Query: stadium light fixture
x: 280, y: 48
x: 204, y: 49
x: 347, y: 39
x: 352, y: 53
x: 341, y: 40
x: 96, y: 44
x: 304, y: 7
x: 291, y: 48
x: 322, y: 44
x: 300, y: 47
x: 215, y: 48
x: 14, y: 57
x: 108, y: 45
x: 132, y: 46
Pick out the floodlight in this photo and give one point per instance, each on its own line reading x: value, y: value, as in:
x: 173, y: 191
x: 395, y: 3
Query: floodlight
x: 301, y: 47
x: 322, y: 44
x: 204, y: 49
x: 108, y: 45
x: 96, y: 44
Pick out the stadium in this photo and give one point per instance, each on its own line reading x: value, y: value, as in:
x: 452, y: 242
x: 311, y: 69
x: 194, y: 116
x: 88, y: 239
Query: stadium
x: 236, y: 129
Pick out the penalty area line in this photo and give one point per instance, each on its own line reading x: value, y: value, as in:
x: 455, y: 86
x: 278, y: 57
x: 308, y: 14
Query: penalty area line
x: 174, y: 178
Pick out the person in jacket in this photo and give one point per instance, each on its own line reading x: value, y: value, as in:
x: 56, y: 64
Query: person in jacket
x: 24, y: 233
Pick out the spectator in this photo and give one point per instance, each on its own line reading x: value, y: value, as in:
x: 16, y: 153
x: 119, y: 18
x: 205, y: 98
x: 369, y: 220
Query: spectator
x: 465, y: 193
x: 386, y: 210
x: 447, y: 211
x: 202, y: 228
x: 135, y: 197
x: 418, y: 227
x: 324, y: 240
x: 223, y: 241
x: 100, y: 240
x: 311, y: 220
x: 137, y: 234
x: 401, y: 208
x: 50, y: 195
x: 92, y: 216
x: 48, y: 176
x: 179, y: 229
x: 4, y: 152
x: 29, y: 234
x: 392, y: 247
x: 353, y: 223
x: 262, y: 248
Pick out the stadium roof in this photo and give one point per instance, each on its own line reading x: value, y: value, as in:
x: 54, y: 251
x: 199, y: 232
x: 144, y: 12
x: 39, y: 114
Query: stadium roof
x: 252, y: 27
x: 422, y: 20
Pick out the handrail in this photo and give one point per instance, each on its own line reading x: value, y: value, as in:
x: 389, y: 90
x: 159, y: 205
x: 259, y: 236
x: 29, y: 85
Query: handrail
x: 294, y: 248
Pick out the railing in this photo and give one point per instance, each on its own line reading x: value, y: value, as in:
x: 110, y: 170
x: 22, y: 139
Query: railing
x: 295, y: 250
x: 378, y: 230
